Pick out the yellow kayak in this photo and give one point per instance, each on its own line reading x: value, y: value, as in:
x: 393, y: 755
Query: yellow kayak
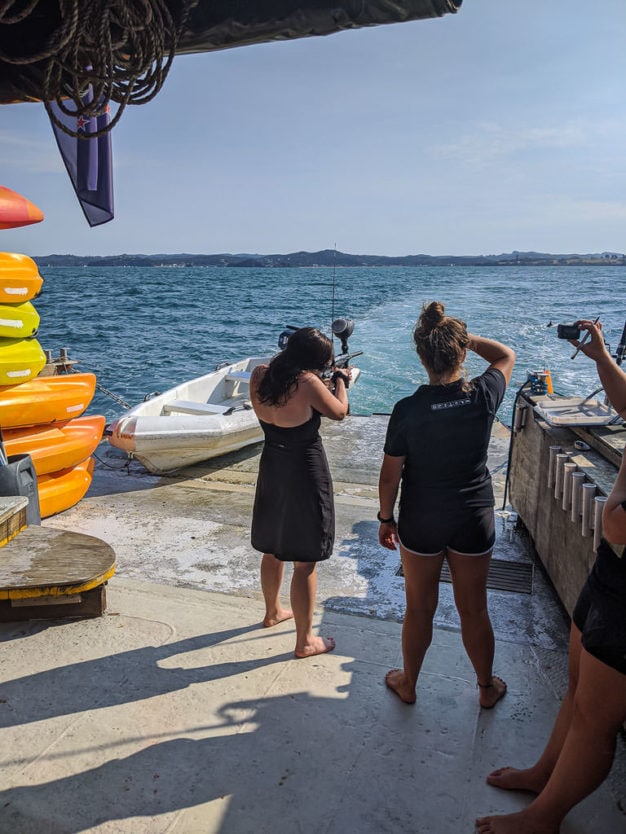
x: 61, y: 490
x: 46, y: 399
x: 18, y: 321
x: 19, y: 278
x: 20, y: 360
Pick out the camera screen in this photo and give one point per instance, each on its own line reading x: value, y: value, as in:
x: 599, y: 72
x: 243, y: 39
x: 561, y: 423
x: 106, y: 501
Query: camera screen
x: 567, y: 331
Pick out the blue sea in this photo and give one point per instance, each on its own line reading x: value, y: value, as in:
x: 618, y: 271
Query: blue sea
x: 142, y: 330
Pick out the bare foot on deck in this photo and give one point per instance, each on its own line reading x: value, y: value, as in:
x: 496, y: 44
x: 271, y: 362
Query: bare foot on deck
x: 317, y: 645
x: 520, y: 823
x: 275, y: 617
x: 397, y: 681
x: 491, y: 693
x: 512, y: 779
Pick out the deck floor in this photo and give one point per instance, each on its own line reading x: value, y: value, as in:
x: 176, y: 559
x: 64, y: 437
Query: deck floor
x: 177, y: 712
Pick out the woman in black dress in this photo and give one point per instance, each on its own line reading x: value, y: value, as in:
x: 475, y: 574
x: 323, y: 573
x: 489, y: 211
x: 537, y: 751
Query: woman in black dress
x: 436, y: 446
x: 293, y: 518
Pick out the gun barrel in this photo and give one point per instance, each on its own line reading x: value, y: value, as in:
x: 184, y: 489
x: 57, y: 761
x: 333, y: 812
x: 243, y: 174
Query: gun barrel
x: 342, y: 360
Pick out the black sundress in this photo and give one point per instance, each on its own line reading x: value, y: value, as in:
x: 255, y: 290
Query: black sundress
x: 294, y: 513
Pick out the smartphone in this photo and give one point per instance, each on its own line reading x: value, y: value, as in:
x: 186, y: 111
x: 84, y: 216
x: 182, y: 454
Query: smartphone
x: 567, y: 331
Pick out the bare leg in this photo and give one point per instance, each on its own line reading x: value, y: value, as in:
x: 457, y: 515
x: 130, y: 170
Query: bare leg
x: 535, y: 778
x: 598, y: 712
x: 421, y: 584
x: 303, y: 590
x: 271, y: 578
x: 469, y: 581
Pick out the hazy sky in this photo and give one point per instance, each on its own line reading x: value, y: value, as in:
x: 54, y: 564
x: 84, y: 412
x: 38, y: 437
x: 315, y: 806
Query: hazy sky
x: 499, y: 128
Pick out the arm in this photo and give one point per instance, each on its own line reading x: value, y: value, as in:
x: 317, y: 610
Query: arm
x: 612, y: 377
x: 255, y: 379
x: 614, y: 514
x: 334, y: 406
x: 498, y: 355
x: 613, y: 381
x: 388, y: 485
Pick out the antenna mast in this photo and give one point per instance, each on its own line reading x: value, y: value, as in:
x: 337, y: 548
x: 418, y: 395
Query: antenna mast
x: 332, y: 307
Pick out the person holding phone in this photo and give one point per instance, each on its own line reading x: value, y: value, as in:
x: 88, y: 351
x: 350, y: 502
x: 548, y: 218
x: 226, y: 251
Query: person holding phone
x: 581, y: 747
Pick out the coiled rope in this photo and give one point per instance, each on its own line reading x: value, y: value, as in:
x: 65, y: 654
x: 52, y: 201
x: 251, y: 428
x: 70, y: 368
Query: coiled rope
x: 121, y: 49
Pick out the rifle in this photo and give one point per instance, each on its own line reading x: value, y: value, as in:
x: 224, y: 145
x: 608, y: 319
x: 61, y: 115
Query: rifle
x: 341, y: 361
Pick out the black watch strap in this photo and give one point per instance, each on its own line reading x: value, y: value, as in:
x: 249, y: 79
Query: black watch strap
x: 345, y: 377
x: 385, y: 520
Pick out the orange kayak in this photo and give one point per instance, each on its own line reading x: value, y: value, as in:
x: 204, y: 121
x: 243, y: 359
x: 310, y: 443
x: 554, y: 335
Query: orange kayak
x: 19, y: 278
x: 45, y: 399
x: 16, y: 210
x: 57, y: 446
x: 61, y: 490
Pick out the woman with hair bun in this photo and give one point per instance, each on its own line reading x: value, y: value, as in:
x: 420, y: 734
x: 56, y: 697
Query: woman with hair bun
x: 436, y: 447
x: 294, y: 517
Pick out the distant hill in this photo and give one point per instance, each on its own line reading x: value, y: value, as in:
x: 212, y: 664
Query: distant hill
x: 330, y: 257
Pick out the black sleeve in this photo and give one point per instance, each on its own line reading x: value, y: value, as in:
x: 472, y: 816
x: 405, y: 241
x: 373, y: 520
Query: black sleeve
x: 395, y: 441
x: 493, y: 385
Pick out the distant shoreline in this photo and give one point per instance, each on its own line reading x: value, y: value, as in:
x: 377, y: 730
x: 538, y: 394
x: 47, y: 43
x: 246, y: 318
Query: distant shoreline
x: 332, y: 258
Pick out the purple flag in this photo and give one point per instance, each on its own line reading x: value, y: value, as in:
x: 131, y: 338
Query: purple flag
x: 88, y: 162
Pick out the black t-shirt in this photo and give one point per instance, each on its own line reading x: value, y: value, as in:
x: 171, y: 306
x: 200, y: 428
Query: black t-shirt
x: 443, y: 432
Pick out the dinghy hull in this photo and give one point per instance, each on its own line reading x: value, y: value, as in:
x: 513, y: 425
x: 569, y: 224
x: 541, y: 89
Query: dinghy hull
x: 198, y: 420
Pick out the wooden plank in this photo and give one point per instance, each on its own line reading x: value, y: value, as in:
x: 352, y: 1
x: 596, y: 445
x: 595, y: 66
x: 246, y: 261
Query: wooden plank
x: 608, y: 440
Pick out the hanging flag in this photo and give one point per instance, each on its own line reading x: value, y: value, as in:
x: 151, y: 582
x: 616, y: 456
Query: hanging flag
x: 88, y: 161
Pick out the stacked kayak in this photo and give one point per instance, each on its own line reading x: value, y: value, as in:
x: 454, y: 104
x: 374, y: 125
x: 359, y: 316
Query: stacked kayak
x: 21, y: 356
x: 40, y: 415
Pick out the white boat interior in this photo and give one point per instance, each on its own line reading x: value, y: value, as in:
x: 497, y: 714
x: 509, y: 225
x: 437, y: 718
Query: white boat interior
x: 574, y: 411
x: 197, y: 420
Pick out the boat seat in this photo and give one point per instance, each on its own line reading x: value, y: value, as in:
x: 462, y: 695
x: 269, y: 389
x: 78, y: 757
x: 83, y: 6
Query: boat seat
x: 190, y: 407
x: 239, y: 376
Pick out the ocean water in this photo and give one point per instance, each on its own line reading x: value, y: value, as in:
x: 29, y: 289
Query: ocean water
x: 142, y: 330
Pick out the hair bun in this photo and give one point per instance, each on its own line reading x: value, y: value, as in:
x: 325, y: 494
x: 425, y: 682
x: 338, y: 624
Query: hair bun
x: 432, y: 314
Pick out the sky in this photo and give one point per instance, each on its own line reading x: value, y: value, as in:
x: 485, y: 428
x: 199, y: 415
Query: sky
x: 497, y: 129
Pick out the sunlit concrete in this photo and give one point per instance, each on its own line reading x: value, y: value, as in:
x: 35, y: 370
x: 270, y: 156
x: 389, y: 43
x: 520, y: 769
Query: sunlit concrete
x: 177, y: 712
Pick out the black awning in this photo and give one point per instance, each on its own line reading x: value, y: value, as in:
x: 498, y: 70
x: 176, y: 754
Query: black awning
x: 29, y: 45
x: 228, y: 23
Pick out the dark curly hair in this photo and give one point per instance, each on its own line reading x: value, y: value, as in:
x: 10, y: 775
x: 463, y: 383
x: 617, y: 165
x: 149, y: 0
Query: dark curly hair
x: 440, y: 340
x: 307, y: 349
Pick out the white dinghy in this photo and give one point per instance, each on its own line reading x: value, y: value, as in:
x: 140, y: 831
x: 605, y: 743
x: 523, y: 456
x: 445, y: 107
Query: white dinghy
x: 195, y: 421
x: 206, y: 417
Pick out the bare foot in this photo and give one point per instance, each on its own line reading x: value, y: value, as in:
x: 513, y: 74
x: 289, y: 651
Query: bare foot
x: 520, y: 823
x: 490, y: 693
x: 276, y: 617
x: 317, y: 645
x: 397, y: 681
x: 512, y: 779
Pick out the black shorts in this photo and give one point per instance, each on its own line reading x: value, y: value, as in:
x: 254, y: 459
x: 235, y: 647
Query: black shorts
x: 600, y: 613
x: 468, y: 530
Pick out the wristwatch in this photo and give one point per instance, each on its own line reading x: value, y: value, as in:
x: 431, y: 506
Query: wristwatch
x: 385, y: 520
